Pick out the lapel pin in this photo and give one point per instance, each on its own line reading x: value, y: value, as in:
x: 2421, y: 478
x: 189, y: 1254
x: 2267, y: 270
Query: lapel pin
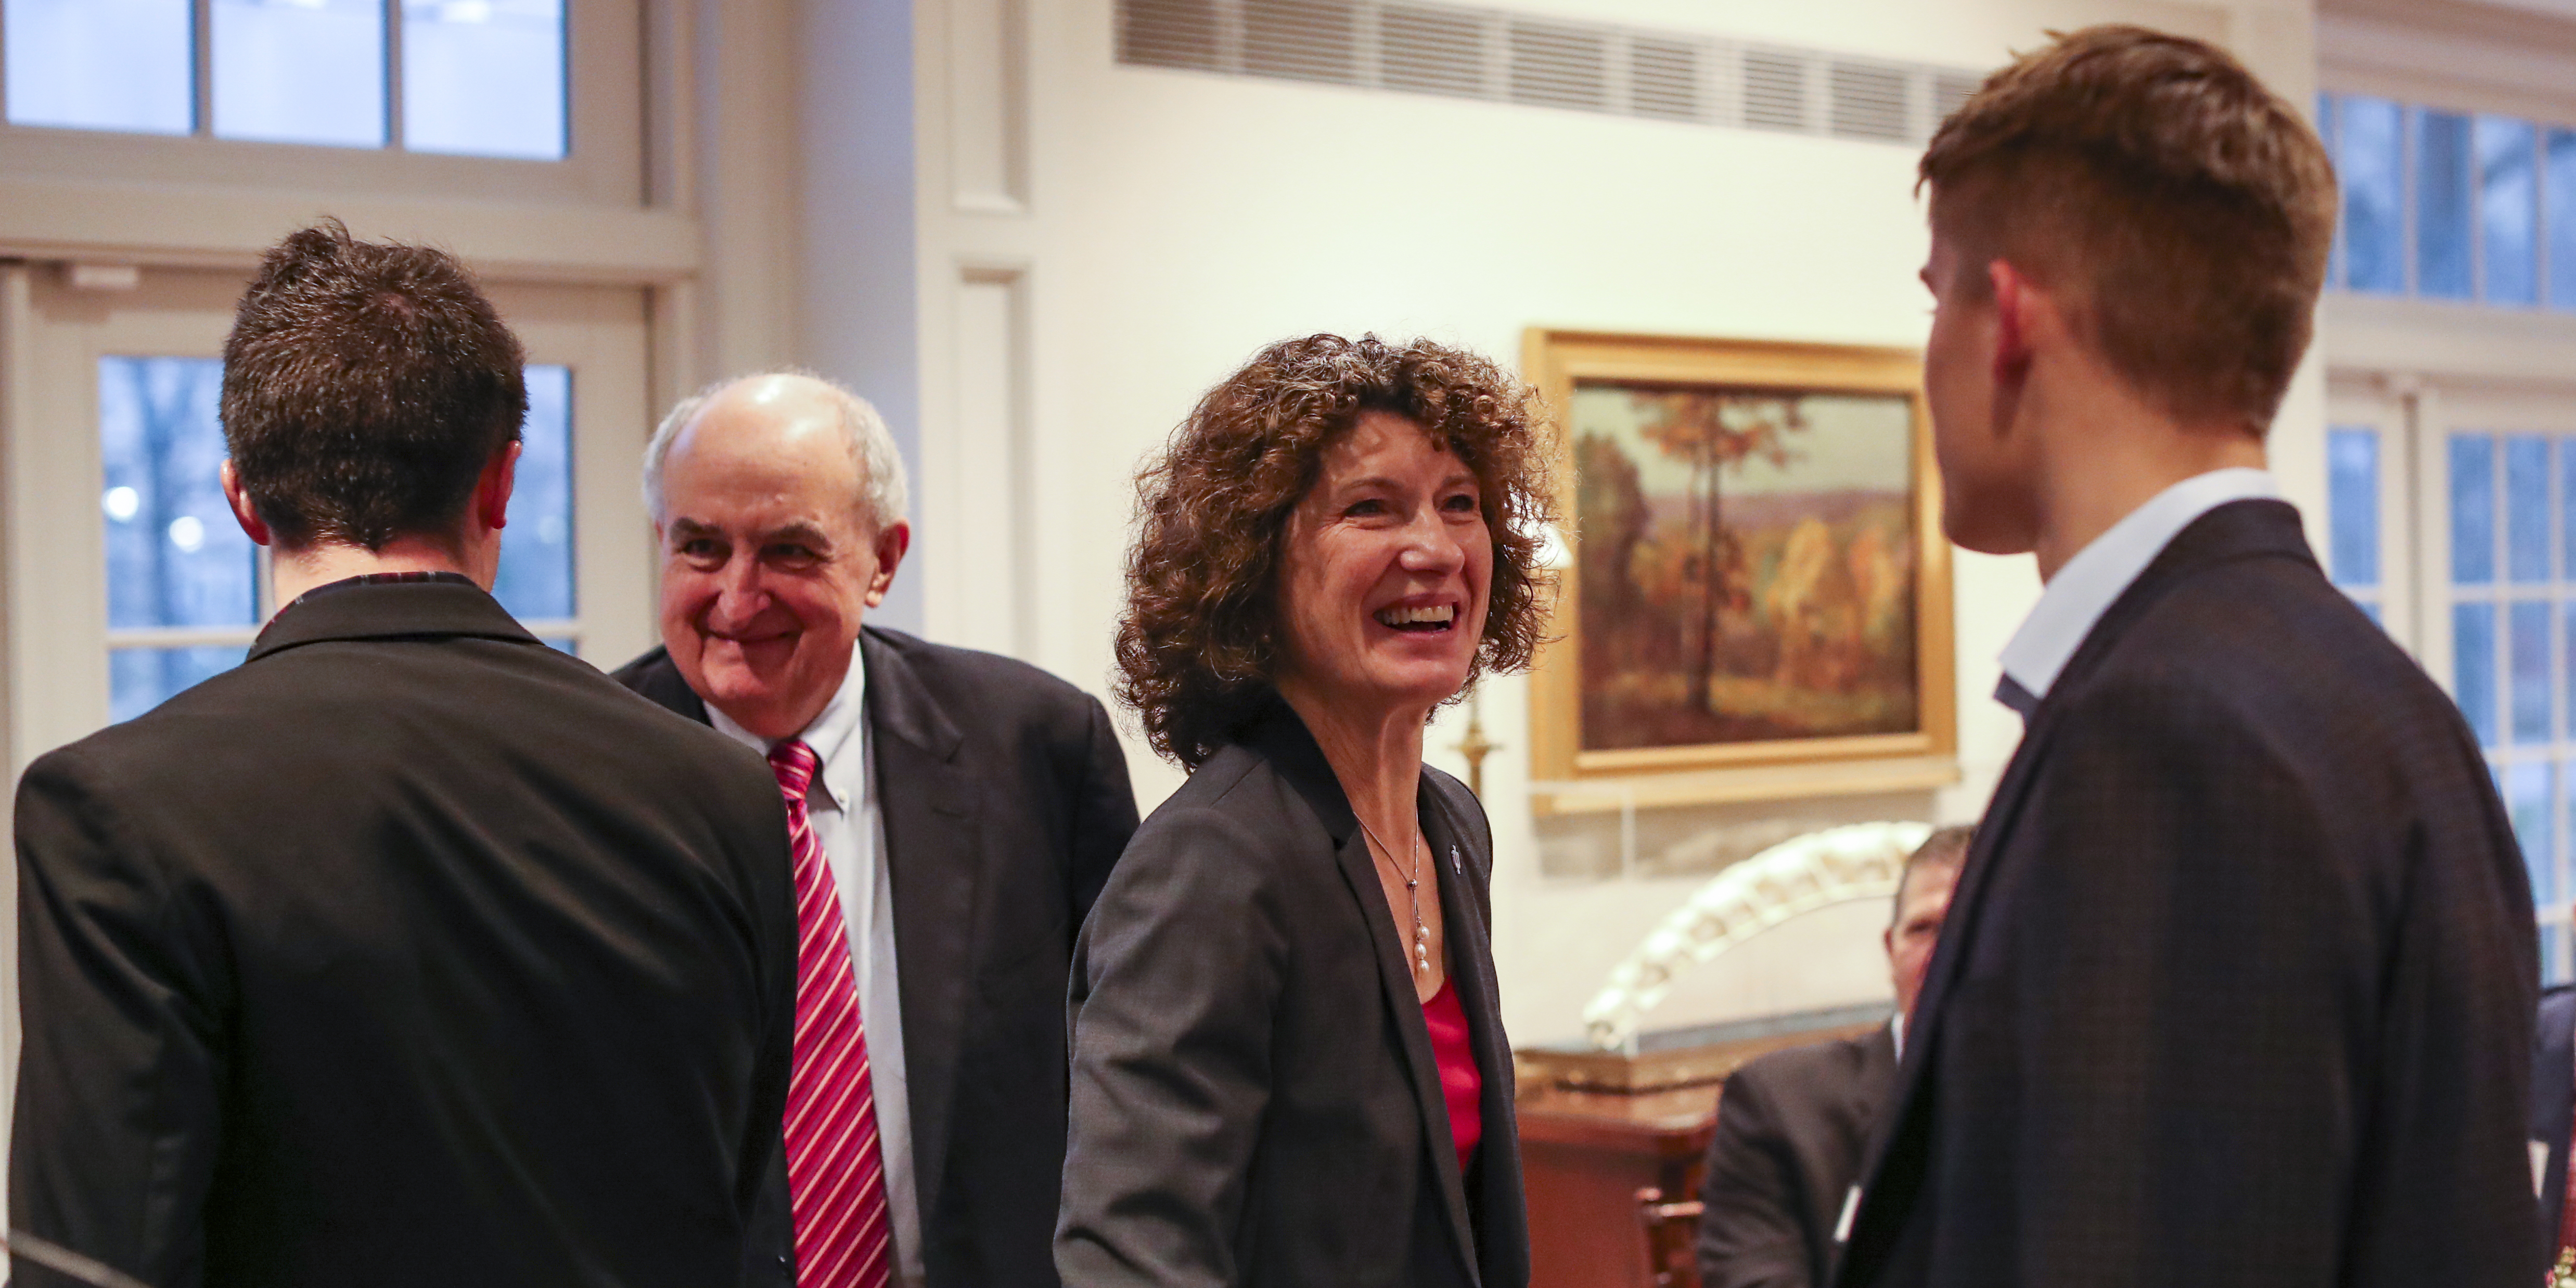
x: 1454, y: 864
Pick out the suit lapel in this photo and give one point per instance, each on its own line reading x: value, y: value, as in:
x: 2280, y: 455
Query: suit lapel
x: 933, y: 862
x: 1900, y: 1154
x: 1470, y: 959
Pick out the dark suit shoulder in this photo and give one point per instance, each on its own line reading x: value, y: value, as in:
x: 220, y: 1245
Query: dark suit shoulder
x: 1831, y: 1067
x: 2264, y: 633
x: 988, y: 683
x: 657, y: 678
x: 2558, y: 1014
x: 1235, y: 782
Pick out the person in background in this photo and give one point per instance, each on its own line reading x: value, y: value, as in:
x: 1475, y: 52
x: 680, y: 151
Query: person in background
x: 1289, y: 1065
x: 410, y: 951
x: 2237, y: 987
x: 1793, y: 1126
x: 954, y: 814
x: 2553, y: 1130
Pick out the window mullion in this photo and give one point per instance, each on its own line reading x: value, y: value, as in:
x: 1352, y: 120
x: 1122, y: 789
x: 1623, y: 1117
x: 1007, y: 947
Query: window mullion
x: 202, y: 16
x: 393, y: 45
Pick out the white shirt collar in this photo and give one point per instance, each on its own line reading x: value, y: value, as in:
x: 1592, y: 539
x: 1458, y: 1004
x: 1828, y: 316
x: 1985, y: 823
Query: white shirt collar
x: 832, y: 734
x: 2090, y: 582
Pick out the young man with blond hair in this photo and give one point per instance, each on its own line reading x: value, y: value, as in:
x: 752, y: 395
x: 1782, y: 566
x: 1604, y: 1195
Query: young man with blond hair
x: 2237, y: 985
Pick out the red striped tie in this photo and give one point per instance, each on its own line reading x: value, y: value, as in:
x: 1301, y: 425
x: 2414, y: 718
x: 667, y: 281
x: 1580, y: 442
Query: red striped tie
x: 835, y: 1176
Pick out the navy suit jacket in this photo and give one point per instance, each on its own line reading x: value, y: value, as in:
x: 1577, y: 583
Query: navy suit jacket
x: 2237, y: 987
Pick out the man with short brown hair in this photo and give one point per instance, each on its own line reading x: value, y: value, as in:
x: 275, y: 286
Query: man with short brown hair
x: 411, y: 952
x: 2237, y: 985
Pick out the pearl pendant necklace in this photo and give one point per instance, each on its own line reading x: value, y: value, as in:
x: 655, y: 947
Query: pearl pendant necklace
x: 1412, y: 893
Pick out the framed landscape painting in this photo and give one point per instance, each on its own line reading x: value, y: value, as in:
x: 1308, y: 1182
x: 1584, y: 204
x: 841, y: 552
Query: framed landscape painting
x: 1758, y: 603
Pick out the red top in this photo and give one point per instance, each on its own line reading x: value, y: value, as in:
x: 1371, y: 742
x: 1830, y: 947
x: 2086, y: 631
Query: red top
x: 1460, y: 1082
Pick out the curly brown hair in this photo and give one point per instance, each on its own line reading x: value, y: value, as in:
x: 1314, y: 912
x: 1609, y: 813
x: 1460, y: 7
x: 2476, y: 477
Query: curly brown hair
x: 1199, y: 640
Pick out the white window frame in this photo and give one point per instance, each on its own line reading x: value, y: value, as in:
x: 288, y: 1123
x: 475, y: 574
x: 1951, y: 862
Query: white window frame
x: 604, y: 166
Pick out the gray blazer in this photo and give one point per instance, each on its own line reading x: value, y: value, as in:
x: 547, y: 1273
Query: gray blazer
x: 1254, y: 1096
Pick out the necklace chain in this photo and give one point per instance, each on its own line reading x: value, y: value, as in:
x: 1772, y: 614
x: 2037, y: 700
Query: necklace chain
x: 1412, y: 893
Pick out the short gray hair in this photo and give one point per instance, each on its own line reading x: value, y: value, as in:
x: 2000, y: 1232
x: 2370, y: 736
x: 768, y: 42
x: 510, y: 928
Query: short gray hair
x: 1946, y: 848
x: 883, y: 494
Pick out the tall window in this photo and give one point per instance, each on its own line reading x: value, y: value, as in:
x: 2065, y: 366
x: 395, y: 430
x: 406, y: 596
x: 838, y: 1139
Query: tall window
x: 466, y: 77
x: 2512, y: 609
x: 2502, y: 596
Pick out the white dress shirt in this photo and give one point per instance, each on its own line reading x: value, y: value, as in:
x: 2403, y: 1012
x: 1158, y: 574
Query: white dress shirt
x: 2102, y: 571
x: 841, y: 806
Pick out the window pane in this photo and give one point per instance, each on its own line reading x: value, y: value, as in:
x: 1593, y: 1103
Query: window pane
x: 2508, y: 211
x: 535, y: 582
x: 2561, y: 203
x: 2567, y: 642
x: 2526, y: 510
x: 2352, y: 505
x: 2370, y: 609
x: 2472, y: 509
x: 2473, y: 667
x: 2442, y: 205
x: 2527, y: 800
x: 300, y: 71
x: 2532, y: 699
x: 174, y: 555
x: 2370, y: 155
x: 140, y: 678
x: 102, y: 64
x: 484, y: 77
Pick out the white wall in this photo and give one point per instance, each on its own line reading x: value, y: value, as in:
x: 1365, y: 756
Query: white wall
x: 1165, y: 224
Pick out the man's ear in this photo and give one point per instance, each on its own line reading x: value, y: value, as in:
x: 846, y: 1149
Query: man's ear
x: 2017, y: 308
x: 492, y: 488
x: 244, y: 513
x: 892, y: 541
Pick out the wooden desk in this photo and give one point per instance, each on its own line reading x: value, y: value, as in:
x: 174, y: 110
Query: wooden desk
x: 1586, y: 1153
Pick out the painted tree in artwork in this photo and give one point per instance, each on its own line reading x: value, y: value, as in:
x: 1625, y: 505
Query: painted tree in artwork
x: 1711, y: 434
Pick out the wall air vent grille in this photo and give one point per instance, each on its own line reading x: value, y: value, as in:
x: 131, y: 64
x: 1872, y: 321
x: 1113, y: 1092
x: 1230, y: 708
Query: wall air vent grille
x: 1169, y: 33
x: 1663, y: 79
x: 1775, y: 90
x: 1869, y: 102
x: 1432, y: 48
x: 1431, y: 51
x: 1301, y: 40
x: 1557, y: 66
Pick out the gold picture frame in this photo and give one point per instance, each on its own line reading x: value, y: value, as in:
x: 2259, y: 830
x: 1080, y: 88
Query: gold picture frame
x: 1817, y: 658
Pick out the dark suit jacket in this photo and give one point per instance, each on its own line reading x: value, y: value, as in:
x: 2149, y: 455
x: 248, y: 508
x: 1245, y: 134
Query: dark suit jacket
x: 2553, y: 1112
x: 1793, y: 1129
x: 411, y: 952
x: 2237, y: 986
x: 1005, y: 802
x: 1255, y: 1100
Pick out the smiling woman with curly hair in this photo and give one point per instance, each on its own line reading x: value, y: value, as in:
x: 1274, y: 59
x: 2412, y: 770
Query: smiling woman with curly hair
x: 1288, y: 1058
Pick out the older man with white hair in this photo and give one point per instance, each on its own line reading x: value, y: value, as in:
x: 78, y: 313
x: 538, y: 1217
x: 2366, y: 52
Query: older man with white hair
x: 954, y: 813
